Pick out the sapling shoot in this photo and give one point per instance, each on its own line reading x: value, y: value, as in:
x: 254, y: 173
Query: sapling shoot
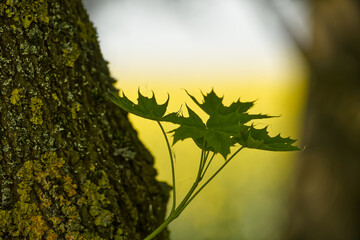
x: 226, y: 127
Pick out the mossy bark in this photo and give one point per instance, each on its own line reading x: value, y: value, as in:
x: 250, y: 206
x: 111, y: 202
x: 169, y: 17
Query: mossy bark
x: 71, y: 165
x: 326, y: 201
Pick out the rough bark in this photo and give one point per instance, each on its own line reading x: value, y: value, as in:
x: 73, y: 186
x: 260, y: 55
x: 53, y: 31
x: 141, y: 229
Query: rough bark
x: 71, y: 165
x: 327, y: 197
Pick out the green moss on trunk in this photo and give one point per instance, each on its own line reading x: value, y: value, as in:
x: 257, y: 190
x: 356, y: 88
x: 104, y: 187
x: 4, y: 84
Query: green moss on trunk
x: 71, y: 165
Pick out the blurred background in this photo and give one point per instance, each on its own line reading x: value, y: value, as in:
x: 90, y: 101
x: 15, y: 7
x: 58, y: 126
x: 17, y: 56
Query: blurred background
x: 272, y: 51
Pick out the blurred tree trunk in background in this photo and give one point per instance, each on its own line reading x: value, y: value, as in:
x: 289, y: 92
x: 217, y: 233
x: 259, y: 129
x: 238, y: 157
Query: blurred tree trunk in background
x: 71, y: 166
x: 326, y: 201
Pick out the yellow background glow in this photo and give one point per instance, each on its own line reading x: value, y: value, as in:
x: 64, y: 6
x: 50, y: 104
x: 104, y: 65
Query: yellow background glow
x: 248, y: 200
x: 237, y: 48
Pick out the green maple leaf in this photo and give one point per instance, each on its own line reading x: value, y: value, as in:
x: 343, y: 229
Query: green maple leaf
x: 251, y: 137
x: 223, y: 122
x: 213, y: 137
x: 190, y: 127
x: 147, y: 107
x: 212, y: 105
x: 225, y: 127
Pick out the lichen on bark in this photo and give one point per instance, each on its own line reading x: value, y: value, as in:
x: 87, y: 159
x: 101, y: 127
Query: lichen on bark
x: 65, y: 170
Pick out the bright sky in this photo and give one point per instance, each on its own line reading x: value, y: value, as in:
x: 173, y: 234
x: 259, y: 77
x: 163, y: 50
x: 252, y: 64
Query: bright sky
x: 212, y: 36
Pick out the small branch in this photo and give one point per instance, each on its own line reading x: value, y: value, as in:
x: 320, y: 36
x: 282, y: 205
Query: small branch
x: 172, y: 166
x: 207, y: 166
x: 211, y: 178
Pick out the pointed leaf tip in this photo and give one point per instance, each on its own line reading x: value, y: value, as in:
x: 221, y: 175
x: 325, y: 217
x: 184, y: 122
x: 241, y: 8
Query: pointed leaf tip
x: 146, y: 107
x: 260, y: 139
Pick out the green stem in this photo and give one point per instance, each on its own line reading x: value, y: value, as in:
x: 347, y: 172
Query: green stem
x: 207, y: 166
x: 203, y: 158
x: 190, y: 196
x: 181, y: 207
x: 200, y: 165
x: 172, y: 166
x: 161, y: 227
x: 206, y: 155
x: 211, y: 178
x: 174, y: 214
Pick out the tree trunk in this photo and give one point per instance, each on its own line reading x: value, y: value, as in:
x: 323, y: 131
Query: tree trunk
x: 71, y: 165
x: 327, y: 198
